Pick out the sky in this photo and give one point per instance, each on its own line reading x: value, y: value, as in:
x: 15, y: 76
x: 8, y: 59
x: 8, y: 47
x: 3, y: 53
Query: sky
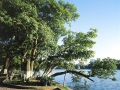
x: 104, y: 15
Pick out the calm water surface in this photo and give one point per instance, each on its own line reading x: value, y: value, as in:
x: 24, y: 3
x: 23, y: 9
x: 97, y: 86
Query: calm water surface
x: 98, y: 84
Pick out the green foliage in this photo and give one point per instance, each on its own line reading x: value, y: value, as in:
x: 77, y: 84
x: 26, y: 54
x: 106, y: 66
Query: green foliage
x: 77, y: 78
x: 104, y: 68
x: 46, y: 80
x: 16, y: 79
x: 67, y: 65
x: 33, y: 27
x: 15, y: 64
x: 114, y: 78
x: 78, y: 45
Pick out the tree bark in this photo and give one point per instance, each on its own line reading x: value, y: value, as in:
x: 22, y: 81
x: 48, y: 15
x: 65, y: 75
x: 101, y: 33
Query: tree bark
x: 52, y: 70
x: 34, y: 56
x: 5, y: 69
x: 23, y: 65
x: 48, y: 69
x: 31, y: 67
x: 38, y: 67
x: 28, y: 68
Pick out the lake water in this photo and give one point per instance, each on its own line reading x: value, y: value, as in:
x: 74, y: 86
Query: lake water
x: 98, y: 84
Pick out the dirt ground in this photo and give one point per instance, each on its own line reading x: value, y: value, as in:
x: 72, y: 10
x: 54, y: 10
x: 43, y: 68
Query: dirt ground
x: 4, y: 87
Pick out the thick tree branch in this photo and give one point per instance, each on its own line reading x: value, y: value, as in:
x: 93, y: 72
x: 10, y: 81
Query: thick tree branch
x: 73, y: 72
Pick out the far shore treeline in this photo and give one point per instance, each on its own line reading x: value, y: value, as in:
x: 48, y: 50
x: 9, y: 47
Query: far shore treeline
x: 89, y: 66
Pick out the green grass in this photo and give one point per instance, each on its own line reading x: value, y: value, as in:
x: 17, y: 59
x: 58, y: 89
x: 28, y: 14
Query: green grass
x: 60, y: 86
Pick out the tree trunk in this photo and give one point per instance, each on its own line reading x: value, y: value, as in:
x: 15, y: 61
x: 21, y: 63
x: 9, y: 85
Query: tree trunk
x: 47, y: 70
x: 73, y: 72
x: 50, y: 72
x: 28, y: 68
x: 5, y: 69
x: 23, y: 65
x: 34, y: 56
x: 31, y: 68
x: 38, y: 67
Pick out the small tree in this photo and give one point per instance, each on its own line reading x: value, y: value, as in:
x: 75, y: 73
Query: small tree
x: 104, y: 68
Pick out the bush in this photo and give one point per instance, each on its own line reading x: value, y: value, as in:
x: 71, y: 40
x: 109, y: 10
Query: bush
x: 114, y: 79
x: 45, y: 81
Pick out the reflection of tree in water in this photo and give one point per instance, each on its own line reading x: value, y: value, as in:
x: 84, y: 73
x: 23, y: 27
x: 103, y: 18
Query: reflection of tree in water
x: 78, y: 84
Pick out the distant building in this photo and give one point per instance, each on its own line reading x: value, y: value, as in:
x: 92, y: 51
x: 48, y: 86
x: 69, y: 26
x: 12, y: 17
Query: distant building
x: 99, y: 59
x: 92, y: 60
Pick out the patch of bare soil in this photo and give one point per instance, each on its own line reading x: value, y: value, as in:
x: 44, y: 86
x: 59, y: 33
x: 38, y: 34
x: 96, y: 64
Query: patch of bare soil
x: 48, y: 88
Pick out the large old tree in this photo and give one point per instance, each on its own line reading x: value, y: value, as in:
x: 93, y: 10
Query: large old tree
x: 30, y: 30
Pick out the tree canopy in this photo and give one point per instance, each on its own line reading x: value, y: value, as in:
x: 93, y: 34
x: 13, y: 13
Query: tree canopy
x: 30, y: 30
x: 106, y: 68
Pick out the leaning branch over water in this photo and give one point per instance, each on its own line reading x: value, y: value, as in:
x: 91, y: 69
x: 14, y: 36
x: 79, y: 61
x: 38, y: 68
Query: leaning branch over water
x: 73, y: 72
